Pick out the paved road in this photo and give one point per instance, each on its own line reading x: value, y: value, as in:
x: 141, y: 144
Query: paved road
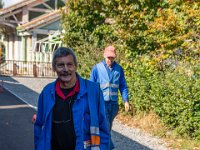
x: 16, y: 128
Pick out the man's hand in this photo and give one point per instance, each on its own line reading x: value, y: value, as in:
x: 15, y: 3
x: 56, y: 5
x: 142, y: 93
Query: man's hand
x: 127, y: 106
x: 34, y: 118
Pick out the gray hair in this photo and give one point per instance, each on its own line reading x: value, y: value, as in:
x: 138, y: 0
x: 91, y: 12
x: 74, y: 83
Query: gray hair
x: 61, y: 52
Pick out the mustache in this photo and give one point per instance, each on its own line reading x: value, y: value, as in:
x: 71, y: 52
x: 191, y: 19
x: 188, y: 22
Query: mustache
x: 65, y: 73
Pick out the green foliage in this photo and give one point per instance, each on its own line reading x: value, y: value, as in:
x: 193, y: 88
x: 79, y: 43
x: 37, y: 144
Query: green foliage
x: 158, y: 47
x: 179, y: 102
x: 174, y: 95
x: 85, y: 32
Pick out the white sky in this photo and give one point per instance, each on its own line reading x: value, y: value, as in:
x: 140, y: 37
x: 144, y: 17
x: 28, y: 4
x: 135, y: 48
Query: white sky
x: 10, y: 2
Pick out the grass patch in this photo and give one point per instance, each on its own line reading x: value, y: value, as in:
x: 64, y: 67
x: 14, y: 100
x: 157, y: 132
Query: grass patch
x: 150, y: 123
x: 176, y: 143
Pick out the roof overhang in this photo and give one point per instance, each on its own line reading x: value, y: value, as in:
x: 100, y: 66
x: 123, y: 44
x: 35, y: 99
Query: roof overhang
x: 40, y: 21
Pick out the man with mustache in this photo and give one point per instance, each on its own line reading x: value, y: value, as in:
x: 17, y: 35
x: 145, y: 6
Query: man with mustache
x: 111, y: 77
x: 70, y: 114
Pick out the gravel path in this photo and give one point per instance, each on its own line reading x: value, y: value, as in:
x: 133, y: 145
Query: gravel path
x: 124, y: 137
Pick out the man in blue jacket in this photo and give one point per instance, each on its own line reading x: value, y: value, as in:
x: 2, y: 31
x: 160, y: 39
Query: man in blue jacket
x: 110, y: 75
x: 70, y: 114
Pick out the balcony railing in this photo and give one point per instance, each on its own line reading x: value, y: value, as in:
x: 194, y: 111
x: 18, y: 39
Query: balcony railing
x: 26, y: 68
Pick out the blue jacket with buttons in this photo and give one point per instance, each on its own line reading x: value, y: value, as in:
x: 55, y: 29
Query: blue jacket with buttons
x: 88, y: 115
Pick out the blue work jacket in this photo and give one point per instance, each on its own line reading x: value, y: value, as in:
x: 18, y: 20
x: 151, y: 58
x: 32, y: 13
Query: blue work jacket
x: 88, y: 116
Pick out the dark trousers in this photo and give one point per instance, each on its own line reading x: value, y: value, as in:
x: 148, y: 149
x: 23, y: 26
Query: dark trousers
x: 112, y: 109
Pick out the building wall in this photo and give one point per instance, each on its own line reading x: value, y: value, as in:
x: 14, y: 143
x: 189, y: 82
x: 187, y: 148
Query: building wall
x: 10, y: 47
x: 17, y: 48
x: 29, y: 48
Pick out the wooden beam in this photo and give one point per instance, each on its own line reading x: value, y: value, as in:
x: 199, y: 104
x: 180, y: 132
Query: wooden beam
x: 24, y: 33
x: 11, y: 13
x: 47, y: 6
x: 15, y: 18
x: 18, y: 6
x: 44, y: 31
x: 40, y: 10
x: 12, y: 21
x: 10, y: 25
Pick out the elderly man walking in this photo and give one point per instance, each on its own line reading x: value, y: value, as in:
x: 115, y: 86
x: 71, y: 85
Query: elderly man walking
x: 71, y: 112
x: 111, y: 77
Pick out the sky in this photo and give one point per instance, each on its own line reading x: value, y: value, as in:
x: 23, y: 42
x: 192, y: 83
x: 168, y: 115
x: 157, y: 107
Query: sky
x: 10, y: 2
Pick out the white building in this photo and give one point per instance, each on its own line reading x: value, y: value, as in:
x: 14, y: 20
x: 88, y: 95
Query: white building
x: 30, y: 30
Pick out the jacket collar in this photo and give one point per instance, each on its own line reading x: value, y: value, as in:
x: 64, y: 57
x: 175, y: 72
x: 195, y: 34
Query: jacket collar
x: 82, y: 90
x: 104, y: 62
x: 71, y: 93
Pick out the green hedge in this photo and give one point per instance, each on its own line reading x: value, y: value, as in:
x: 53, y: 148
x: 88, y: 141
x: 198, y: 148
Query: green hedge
x: 172, y: 94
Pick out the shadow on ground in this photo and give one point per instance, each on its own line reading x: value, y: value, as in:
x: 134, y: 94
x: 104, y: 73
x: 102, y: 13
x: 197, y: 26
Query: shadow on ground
x: 123, y: 143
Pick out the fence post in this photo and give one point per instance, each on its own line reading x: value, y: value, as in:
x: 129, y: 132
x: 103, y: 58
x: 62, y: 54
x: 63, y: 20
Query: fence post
x: 1, y: 86
x: 34, y: 70
x: 14, y: 69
